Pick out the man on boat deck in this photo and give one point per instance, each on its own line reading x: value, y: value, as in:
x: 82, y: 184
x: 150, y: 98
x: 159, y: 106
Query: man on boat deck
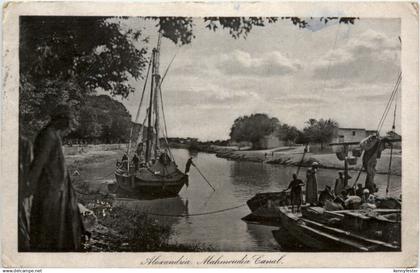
x: 311, y: 185
x: 359, y: 190
x: 188, y: 165
x: 124, y: 161
x: 339, y: 184
x: 139, y: 150
x: 326, y: 195
x: 295, y: 192
x: 136, y: 162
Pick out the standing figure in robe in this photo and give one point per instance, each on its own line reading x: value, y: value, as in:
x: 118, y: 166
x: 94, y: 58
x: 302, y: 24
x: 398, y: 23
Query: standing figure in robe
x: 56, y: 223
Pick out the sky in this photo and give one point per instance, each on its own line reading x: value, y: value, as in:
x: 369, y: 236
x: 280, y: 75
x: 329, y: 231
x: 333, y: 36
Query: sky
x: 338, y: 71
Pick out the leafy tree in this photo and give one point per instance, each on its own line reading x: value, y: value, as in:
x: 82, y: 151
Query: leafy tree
x: 103, y: 119
x: 320, y: 131
x: 252, y: 128
x: 65, y: 59
x: 288, y: 133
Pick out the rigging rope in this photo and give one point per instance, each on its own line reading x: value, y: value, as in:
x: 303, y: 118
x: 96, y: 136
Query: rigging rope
x: 388, y: 106
x: 164, y: 126
x: 330, y: 60
x: 386, y: 111
x: 144, y: 89
x: 392, y: 148
x: 167, y: 69
x: 389, y: 171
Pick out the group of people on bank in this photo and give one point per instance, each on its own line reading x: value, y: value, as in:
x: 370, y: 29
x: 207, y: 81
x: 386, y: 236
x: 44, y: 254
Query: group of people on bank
x: 341, y: 197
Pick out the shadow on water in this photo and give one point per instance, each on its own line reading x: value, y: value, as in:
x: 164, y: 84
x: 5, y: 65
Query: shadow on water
x: 286, y: 242
x: 263, y: 235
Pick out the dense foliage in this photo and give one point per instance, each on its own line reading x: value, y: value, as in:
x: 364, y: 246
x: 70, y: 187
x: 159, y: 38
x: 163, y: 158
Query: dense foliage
x: 102, y: 119
x: 253, y: 127
x: 66, y: 59
x: 320, y: 131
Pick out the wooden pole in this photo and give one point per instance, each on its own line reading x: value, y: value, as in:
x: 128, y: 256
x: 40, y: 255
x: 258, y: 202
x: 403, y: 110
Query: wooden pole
x: 346, y: 166
x: 202, y: 175
x: 301, y: 161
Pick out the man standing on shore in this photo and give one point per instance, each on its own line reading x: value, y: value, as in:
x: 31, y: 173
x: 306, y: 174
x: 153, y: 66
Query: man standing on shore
x: 55, y: 219
x: 312, y: 185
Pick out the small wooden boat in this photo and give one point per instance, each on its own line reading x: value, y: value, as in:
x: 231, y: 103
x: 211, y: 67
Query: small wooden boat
x: 338, y: 231
x: 150, y: 182
x: 264, y: 205
x: 261, y: 200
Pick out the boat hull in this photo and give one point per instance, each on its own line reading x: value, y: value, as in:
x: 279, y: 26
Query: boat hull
x: 157, y: 186
x: 315, y: 236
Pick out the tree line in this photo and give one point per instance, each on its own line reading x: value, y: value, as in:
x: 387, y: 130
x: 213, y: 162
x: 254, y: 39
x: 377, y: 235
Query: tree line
x: 252, y: 128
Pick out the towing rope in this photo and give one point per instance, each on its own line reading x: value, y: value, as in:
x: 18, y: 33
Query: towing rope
x: 195, y: 214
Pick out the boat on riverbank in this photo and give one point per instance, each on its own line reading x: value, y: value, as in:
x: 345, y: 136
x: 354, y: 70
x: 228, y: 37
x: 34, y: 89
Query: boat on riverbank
x: 347, y: 230
x: 152, y: 170
x: 374, y: 226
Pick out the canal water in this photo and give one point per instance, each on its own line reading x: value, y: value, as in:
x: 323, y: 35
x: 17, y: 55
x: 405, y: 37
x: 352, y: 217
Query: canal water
x: 235, y: 183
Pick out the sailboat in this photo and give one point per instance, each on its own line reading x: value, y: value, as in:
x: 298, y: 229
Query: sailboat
x: 153, y: 170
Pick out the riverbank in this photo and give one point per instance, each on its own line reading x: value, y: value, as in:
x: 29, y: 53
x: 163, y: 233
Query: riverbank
x: 114, y: 226
x: 292, y: 156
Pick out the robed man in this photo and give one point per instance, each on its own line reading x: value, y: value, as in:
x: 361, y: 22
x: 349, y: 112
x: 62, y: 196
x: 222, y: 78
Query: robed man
x: 312, y: 185
x: 25, y: 196
x: 55, y: 219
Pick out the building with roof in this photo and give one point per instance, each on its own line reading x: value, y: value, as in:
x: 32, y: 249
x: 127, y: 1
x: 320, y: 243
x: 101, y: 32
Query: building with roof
x: 352, y: 134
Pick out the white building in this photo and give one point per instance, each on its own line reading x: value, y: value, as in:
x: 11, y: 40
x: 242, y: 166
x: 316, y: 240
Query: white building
x: 352, y: 134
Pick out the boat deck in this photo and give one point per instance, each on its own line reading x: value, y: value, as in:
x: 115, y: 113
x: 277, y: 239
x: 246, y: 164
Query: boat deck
x: 315, y: 234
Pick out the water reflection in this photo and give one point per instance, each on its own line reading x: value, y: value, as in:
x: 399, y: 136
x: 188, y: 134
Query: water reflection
x: 263, y: 236
x: 250, y: 178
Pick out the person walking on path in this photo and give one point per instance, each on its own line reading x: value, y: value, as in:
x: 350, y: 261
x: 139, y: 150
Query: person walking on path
x: 56, y: 223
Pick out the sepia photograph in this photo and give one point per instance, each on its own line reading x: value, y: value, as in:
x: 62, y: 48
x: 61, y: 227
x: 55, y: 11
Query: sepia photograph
x: 197, y: 134
x: 211, y: 135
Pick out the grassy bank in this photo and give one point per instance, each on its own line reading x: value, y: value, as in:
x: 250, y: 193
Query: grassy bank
x: 122, y: 229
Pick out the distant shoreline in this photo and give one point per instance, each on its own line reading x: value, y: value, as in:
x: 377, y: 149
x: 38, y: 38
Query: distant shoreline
x: 286, y: 156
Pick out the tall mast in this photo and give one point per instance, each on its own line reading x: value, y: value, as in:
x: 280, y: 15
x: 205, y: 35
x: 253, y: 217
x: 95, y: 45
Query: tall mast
x: 149, y: 119
x: 156, y: 81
